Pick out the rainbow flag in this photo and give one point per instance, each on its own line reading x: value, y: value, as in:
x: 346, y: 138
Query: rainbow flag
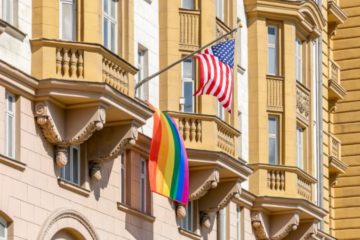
x: 168, y: 163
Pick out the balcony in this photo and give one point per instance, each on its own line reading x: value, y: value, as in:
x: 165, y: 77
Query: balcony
x: 336, y: 166
x: 284, y: 181
x: 336, y: 16
x: 79, y: 61
x: 336, y: 91
x: 189, y: 29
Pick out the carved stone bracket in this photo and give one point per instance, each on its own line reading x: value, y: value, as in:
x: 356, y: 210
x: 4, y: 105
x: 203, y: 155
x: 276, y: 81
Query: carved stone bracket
x: 260, y: 224
x: 219, y: 197
x: 55, y: 123
x: 202, y: 181
x: 306, y: 231
x: 282, y: 225
x: 109, y: 143
x: 303, y: 104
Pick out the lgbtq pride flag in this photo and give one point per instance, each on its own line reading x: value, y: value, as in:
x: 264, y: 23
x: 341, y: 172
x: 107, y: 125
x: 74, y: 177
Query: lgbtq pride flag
x: 168, y: 163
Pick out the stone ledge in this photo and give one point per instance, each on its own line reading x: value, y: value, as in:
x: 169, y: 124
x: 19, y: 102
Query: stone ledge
x: 73, y: 187
x: 189, y: 234
x: 135, y: 212
x: 12, y: 163
x: 11, y: 30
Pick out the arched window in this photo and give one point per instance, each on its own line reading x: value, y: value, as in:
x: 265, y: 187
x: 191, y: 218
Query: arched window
x: 3, y: 229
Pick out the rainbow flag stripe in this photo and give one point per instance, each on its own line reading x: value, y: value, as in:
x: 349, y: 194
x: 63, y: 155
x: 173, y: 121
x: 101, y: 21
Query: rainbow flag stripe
x: 168, y: 163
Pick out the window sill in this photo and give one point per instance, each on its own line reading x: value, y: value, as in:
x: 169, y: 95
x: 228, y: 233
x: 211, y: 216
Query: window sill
x: 189, y: 234
x: 11, y: 30
x: 73, y: 187
x: 135, y: 212
x: 12, y: 163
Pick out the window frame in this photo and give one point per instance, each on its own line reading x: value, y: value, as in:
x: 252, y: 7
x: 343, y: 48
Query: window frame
x: 238, y: 223
x: 220, y: 9
x: 184, y: 7
x: 220, y: 111
x: 110, y: 20
x: 5, y: 224
x: 274, y: 46
x: 186, y: 80
x: 74, y: 23
x: 276, y: 137
x: 300, y: 148
x: 123, y: 178
x: 299, y: 60
x: 11, y: 19
x: 71, y: 165
x: 223, y: 224
x: 11, y: 114
x: 143, y: 189
x: 143, y: 91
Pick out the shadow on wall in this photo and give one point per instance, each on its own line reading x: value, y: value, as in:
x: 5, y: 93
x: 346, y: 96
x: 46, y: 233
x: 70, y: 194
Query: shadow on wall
x: 96, y: 186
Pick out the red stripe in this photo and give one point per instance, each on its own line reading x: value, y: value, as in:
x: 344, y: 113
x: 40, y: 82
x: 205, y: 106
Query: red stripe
x: 226, y: 86
x: 208, y: 73
x: 212, y: 84
x: 201, y: 84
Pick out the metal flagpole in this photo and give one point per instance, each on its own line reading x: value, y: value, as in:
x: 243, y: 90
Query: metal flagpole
x: 184, y: 58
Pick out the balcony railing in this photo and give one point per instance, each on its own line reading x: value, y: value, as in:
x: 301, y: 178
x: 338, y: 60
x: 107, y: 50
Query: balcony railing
x: 334, y: 71
x: 275, y: 86
x: 81, y: 62
x: 335, y: 147
x: 284, y: 181
x: 189, y: 29
x: 207, y: 133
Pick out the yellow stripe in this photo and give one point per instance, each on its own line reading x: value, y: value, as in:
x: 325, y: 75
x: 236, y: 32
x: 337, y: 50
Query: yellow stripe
x: 169, y: 164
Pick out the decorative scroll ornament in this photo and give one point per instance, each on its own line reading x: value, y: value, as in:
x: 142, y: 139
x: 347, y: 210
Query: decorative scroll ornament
x: 302, y: 104
x: 210, y: 182
x: 180, y: 211
x: 61, y: 157
x: 259, y: 226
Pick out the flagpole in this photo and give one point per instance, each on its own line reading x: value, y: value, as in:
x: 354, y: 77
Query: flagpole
x: 184, y: 58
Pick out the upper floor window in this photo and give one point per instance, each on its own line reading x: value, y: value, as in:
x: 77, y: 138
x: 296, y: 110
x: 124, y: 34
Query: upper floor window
x: 68, y: 20
x: 10, y: 125
x: 273, y: 51
x: 188, y: 4
x: 220, y: 111
x: 110, y: 24
x: 300, y: 147
x: 123, y: 178
x: 187, y: 222
x: 8, y: 11
x: 298, y: 59
x: 143, y: 184
x: 273, y: 140
x: 142, y: 91
x: 220, y: 10
x: 222, y: 223
x: 71, y: 171
x: 188, y: 86
x: 3, y: 229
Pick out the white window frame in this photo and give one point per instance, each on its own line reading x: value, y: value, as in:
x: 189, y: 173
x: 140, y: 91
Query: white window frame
x: 123, y: 178
x: 74, y: 16
x: 222, y: 223
x: 192, y: 81
x: 298, y: 60
x: 12, y: 114
x: 4, y: 223
x: 300, y: 147
x: 11, y: 13
x: 276, y: 47
x: 185, y: 2
x: 220, y: 111
x: 220, y: 9
x: 274, y: 136
x: 187, y: 222
x: 143, y: 199
x: 110, y: 20
x: 143, y: 65
x: 71, y: 165
x: 238, y: 223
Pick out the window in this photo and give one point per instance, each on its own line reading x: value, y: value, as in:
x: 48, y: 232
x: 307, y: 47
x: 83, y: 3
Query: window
x: 188, y: 86
x: 222, y: 223
x: 298, y: 59
x: 110, y: 24
x: 3, y: 229
x: 273, y: 59
x: 123, y: 178
x: 187, y: 222
x: 8, y: 11
x: 238, y: 223
x: 220, y: 9
x: 300, y: 147
x: 188, y: 4
x: 10, y: 125
x: 68, y: 20
x: 220, y: 111
x: 273, y: 140
x: 143, y: 185
x: 71, y: 171
x: 142, y: 91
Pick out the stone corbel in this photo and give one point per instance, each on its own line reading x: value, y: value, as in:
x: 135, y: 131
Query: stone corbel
x: 219, y: 197
x: 260, y: 224
x: 306, y: 231
x: 64, y: 127
x: 109, y: 143
x: 282, y: 225
x: 202, y: 181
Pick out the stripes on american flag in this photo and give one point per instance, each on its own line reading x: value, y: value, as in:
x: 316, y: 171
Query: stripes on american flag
x: 216, y: 72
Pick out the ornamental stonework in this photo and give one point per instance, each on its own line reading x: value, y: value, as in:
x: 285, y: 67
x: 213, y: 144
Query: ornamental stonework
x: 302, y: 105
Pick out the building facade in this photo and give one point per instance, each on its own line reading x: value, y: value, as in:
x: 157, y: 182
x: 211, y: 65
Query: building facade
x: 75, y: 134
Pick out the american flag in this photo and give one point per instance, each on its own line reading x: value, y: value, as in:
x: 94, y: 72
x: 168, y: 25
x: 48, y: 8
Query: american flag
x: 216, y: 72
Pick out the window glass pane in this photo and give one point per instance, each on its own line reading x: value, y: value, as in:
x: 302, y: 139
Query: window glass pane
x: 222, y: 222
x: 273, y: 140
x: 2, y: 230
x: 113, y: 8
x: 106, y: 6
x: 272, y: 32
x: 188, y: 69
x: 272, y: 65
x: 272, y: 125
x: 67, y: 21
x: 220, y: 9
x: 7, y: 10
x: 122, y: 179
x: 188, y: 4
x: 272, y: 151
x: 300, y: 149
x: 272, y: 50
x: 188, y: 95
x: 186, y: 222
x: 10, y: 103
x: 105, y: 33
x: 10, y: 134
x: 67, y: 169
x: 112, y: 37
x: 75, y: 165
